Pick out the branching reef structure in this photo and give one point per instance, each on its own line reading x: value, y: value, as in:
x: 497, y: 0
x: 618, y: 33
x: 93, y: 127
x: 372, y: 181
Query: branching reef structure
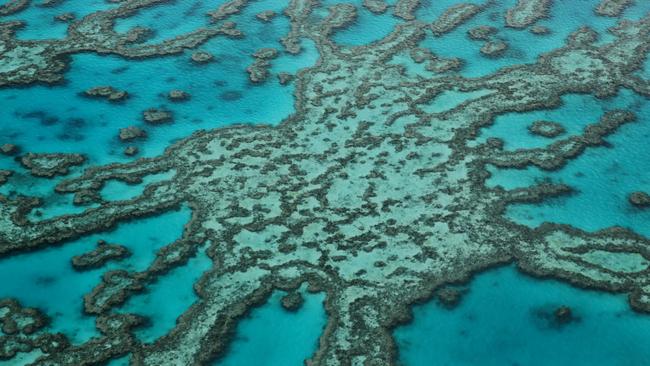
x: 360, y: 193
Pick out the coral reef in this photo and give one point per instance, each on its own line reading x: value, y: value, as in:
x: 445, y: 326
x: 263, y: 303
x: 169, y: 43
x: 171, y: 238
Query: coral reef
x: 360, y: 193
x: 527, y: 12
x: 292, y: 301
x: 108, y: 92
x: 99, y: 256
x: 494, y: 48
x: 453, y: 17
x: 548, y: 129
x: 132, y: 133
x: 259, y: 71
x: 178, y: 95
x: 50, y: 165
x: 612, y: 8
x: 640, y: 199
x: 156, y: 116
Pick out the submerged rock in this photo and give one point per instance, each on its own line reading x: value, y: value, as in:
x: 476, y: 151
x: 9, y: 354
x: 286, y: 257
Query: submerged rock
x: 178, y: 95
x: 9, y: 149
x: 375, y: 6
x: 612, y: 8
x: 132, y: 133
x: 266, y: 16
x: 156, y: 116
x: 292, y: 301
x: 494, y: 48
x: 482, y: 32
x: 640, y: 199
x: 453, y: 17
x: 266, y: 53
x: 449, y: 297
x: 546, y: 128
x: 258, y: 72
x: 49, y: 165
x: 131, y: 150
x: 563, y: 315
x: 65, y: 17
x: 4, y: 176
x: 527, y: 12
x: 99, y: 256
x: 285, y: 78
x: 107, y: 92
x: 202, y: 57
x: 539, y: 30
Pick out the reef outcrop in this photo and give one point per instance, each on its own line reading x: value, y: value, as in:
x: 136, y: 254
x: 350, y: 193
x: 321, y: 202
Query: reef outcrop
x: 4, y: 176
x: 376, y: 6
x: 99, y: 256
x: 266, y: 16
x: 640, y: 199
x: 563, y: 315
x: 202, y: 57
x: 453, y: 17
x: 178, y: 95
x: 9, y: 149
x: 548, y: 129
x: 527, y: 12
x: 156, y: 116
x: 494, y: 48
x: 131, y: 133
x: 259, y: 71
x: 107, y: 92
x: 482, y: 33
x: 361, y: 193
x: 50, y: 165
x: 292, y: 301
x: 612, y: 8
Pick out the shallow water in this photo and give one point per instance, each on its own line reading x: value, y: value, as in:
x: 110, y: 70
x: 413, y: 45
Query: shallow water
x: 167, y: 298
x: 41, y: 22
x: 271, y: 335
x: 46, y: 280
x: 221, y: 94
x: 602, y: 177
x: 506, y: 318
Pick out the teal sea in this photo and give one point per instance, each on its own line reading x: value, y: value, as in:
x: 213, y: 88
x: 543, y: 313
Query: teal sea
x: 504, y: 317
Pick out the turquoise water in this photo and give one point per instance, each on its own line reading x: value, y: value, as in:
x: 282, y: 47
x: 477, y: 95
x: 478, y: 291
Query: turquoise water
x: 170, y: 20
x: 367, y: 27
x: 574, y: 113
x: 220, y: 93
x: 503, y: 310
x: 167, y: 298
x: 603, y: 177
x: 36, y: 278
x: 40, y: 21
x: 506, y: 319
x: 271, y: 335
x: 116, y: 190
x: 566, y: 17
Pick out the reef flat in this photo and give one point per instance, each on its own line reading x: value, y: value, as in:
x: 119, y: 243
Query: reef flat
x: 362, y: 193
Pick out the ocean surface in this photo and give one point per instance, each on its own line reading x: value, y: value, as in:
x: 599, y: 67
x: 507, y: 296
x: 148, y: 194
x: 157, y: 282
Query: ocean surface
x: 504, y: 318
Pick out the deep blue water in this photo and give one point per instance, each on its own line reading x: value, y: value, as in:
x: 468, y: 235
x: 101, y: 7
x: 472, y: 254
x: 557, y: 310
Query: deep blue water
x: 503, y: 320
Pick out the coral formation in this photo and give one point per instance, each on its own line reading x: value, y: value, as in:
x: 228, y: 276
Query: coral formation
x: 360, y: 193
x: 50, y: 165
x: 111, y: 94
x: 99, y: 256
